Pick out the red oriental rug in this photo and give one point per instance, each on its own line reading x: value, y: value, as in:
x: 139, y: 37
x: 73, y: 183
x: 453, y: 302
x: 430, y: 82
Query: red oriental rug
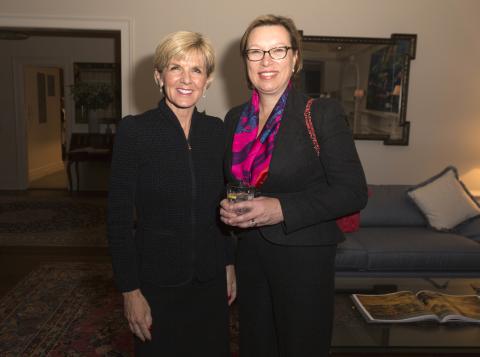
x: 68, y: 309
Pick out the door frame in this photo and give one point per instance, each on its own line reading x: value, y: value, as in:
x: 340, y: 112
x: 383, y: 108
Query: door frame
x: 124, y: 25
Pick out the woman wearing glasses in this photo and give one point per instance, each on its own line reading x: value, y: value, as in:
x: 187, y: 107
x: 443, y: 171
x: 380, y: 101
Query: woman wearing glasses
x: 287, y: 235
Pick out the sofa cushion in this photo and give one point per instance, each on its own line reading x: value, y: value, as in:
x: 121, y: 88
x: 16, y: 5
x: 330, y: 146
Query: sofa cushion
x: 470, y: 229
x: 351, y: 255
x: 389, y: 205
x: 444, y: 200
x: 417, y: 249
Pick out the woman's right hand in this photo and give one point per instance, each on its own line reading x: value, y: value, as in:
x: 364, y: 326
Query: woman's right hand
x: 137, y: 312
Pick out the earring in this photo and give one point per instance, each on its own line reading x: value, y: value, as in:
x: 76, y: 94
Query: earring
x: 158, y: 82
x: 204, y: 95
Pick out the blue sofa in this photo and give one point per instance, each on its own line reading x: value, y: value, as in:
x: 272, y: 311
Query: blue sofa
x: 394, y: 239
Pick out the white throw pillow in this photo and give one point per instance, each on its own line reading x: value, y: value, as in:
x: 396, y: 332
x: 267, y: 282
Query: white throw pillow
x: 444, y: 200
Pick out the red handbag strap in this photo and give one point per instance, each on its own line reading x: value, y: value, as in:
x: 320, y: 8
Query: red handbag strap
x: 310, y: 127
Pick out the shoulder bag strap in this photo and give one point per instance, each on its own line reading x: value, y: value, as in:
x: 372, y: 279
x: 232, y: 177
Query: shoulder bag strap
x: 311, y: 129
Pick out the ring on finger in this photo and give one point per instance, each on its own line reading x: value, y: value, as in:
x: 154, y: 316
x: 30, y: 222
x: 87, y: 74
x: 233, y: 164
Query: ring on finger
x: 252, y: 222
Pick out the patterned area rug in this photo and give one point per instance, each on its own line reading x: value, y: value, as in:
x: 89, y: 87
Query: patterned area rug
x: 64, y: 309
x: 68, y: 309
x: 52, y: 221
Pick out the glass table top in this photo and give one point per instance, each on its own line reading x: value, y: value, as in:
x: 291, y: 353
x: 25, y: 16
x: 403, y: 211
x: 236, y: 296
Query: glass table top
x: 351, y: 332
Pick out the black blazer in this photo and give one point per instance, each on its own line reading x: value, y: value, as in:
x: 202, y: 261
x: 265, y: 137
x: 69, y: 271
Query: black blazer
x: 313, y: 191
x: 175, y: 192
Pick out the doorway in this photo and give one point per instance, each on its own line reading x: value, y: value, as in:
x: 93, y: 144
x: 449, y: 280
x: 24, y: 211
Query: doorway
x: 14, y: 147
x: 62, y: 50
x: 43, y: 108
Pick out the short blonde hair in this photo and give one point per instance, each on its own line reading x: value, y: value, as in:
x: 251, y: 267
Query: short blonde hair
x: 180, y: 44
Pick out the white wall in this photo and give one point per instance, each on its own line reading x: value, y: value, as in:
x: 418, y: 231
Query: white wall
x: 444, y: 85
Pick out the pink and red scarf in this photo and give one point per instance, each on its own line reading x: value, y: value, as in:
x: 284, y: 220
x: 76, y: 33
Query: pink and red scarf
x: 251, y: 155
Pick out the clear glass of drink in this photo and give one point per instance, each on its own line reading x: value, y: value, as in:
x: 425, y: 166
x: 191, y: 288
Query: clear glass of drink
x: 238, y: 192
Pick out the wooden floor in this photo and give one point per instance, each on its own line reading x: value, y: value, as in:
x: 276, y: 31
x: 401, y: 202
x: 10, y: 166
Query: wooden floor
x: 17, y: 262
x: 56, y: 181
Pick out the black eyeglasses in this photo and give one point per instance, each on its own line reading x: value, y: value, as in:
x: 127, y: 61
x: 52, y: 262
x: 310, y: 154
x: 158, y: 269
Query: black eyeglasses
x: 276, y: 53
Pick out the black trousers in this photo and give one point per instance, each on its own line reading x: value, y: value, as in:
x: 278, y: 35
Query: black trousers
x: 286, y: 297
x: 188, y: 321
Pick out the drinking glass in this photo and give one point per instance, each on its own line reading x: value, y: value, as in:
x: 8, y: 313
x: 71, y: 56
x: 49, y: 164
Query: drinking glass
x: 238, y: 192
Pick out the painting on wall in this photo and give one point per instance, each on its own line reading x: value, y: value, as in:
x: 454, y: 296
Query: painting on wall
x: 42, y: 98
x: 385, y: 77
x: 356, y: 69
x: 102, y: 80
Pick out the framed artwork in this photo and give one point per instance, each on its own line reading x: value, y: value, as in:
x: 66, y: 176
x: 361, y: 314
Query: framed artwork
x: 385, y: 78
x: 369, y: 76
x: 99, y: 76
x: 42, y: 98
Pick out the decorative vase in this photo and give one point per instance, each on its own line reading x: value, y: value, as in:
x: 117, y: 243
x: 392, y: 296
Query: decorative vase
x: 93, y: 124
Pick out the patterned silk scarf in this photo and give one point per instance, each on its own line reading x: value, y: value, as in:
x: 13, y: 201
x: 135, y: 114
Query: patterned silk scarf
x: 251, y: 155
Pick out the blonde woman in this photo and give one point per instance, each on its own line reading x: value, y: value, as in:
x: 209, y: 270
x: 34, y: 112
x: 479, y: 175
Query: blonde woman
x: 174, y: 270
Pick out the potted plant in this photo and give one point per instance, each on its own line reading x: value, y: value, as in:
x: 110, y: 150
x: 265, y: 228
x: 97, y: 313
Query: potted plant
x: 92, y: 96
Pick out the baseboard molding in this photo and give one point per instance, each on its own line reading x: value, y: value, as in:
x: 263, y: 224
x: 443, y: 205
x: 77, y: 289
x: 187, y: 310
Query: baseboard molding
x: 40, y: 172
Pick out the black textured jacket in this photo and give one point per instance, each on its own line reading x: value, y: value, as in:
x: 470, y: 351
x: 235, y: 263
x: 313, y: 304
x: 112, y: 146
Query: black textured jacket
x: 174, y: 193
x: 313, y: 191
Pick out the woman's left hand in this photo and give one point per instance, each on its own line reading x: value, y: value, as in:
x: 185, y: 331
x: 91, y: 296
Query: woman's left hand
x: 231, y: 283
x: 261, y: 211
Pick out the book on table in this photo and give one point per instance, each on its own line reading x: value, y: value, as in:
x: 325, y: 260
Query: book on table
x: 407, y: 306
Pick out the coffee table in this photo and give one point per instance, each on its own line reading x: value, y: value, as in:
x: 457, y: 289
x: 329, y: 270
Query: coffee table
x: 352, y: 335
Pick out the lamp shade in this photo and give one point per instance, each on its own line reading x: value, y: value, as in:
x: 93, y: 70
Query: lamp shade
x: 471, y: 179
x: 397, y: 90
x: 358, y: 93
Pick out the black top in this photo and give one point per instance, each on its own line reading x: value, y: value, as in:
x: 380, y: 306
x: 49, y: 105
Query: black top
x: 313, y: 191
x: 174, y: 193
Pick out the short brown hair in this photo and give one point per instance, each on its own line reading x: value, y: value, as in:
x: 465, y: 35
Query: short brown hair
x: 181, y: 43
x: 274, y: 20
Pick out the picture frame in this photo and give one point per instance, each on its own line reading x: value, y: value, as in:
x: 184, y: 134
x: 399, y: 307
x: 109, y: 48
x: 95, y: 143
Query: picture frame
x: 370, y: 78
x: 94, y: 73
x: 385, y: 77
